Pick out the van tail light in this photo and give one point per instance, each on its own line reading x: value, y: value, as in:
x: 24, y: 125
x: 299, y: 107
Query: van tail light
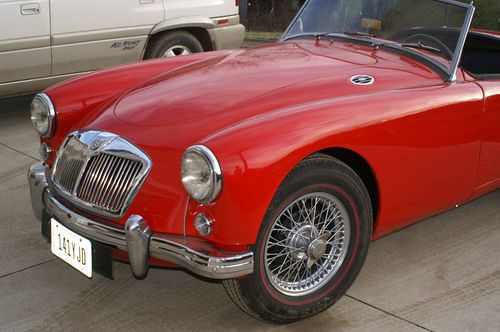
x: 237, y: 2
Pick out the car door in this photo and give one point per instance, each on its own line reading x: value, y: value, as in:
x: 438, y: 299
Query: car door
x: 489, y: 164
x: 24, y: 40
x: 91, y: 34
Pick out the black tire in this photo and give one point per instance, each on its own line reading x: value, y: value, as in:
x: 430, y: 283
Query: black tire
x: 317, y: 175
x: 161, y: 43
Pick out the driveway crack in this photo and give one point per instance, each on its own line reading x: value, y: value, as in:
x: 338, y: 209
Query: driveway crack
x: 27, y: 268
x: 388, y: 313
x: 19, y: 151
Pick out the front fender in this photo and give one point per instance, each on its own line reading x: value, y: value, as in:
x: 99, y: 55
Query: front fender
x: 257, y: 154
x: 397, y: 132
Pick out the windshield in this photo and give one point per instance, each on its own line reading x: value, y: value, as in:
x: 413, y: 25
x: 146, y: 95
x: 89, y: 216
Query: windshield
x: 435, y: 26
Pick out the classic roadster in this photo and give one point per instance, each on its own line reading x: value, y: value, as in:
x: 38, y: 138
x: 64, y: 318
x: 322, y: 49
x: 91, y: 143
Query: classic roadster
x: 272, y: 168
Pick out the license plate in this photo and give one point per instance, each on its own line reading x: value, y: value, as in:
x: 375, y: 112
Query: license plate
x: 71, y: 248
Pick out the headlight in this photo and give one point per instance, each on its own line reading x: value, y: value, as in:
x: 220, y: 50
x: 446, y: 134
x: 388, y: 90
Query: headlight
x: 43, y: 115
x: 201, y: 174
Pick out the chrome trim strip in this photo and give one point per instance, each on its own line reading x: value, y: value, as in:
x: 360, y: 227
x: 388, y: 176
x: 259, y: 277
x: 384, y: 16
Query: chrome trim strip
x: 194, y: 254
x: 90, y: 36
x: 457, y: 56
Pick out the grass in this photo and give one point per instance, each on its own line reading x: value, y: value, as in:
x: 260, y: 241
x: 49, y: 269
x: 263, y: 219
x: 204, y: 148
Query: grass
x: 263, y: 36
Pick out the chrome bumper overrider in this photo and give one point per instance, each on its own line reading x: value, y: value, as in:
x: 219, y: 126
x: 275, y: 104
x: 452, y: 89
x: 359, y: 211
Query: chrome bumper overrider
x: 137, y: 239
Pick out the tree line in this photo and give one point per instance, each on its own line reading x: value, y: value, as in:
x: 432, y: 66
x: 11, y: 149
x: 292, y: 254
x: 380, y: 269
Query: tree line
x: 275, y: 15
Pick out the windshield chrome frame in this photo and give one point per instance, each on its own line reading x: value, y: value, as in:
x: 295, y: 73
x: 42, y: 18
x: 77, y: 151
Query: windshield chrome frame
x: 457, y: 55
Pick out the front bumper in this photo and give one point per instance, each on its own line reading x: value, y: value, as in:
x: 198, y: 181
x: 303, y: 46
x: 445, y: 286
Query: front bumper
x: 136, y: 238
x: 229, y: 37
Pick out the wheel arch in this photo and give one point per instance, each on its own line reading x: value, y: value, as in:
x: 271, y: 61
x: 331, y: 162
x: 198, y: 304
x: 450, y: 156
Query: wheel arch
x: 199, y: 33
x: 196, y: 25
x: 363, y: 169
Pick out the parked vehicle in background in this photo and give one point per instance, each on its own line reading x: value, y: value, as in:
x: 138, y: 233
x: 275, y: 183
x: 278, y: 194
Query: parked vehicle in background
x: 46, y: 41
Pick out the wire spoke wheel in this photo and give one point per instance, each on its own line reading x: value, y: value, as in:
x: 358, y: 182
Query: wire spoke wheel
x: 307, y: 244
x: 311, y: 244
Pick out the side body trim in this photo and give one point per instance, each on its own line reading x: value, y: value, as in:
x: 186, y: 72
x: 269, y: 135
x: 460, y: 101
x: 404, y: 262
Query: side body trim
x: 24, y: 43
x: 90, y: 36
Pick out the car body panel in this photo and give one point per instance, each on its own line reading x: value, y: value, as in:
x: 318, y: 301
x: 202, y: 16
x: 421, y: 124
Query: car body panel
x: 82, y: 96
x: 24, y: 51
x: 210, y: 8
x: 416, y: 132
x: 403, y: 143
x: 116, y: 34
x: 488, y: 176
x: 310, y: 67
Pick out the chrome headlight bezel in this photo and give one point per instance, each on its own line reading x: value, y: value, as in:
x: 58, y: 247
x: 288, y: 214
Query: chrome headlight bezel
x: 48, y: 112
x: 215, y: 174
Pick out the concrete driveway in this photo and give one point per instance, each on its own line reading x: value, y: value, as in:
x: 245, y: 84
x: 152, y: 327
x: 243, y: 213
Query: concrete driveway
x: 442, y: 274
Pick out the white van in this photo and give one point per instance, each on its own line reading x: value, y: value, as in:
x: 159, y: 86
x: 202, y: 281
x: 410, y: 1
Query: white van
x: 46, y: 41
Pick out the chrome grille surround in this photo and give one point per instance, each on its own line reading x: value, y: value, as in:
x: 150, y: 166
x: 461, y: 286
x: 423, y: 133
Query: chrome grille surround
x: 99, y: 172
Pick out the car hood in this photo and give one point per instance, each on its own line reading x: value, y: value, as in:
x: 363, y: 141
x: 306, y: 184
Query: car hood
x: 226, y: 88
x: 185, y: 106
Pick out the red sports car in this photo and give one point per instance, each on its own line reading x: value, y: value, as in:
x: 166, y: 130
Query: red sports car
x: 272, y: 168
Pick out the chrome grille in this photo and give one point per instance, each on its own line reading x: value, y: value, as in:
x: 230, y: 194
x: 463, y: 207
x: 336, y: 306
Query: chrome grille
x: 107, y: 181
x: 99, y: 172
x: 70, y: 163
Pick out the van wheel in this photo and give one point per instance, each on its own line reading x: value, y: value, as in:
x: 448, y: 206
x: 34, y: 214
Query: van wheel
x: 173, y: 43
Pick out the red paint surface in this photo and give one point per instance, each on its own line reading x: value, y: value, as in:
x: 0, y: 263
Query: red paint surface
x: 489, y: 164
x: 430, y: 144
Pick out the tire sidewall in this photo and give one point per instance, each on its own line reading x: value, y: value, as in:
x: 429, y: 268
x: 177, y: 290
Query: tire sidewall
x: 175, y: 38
x: 348, y: 191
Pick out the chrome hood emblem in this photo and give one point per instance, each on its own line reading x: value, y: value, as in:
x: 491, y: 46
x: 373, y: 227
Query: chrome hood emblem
x: 95, y: 144
x: 362, y: 80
